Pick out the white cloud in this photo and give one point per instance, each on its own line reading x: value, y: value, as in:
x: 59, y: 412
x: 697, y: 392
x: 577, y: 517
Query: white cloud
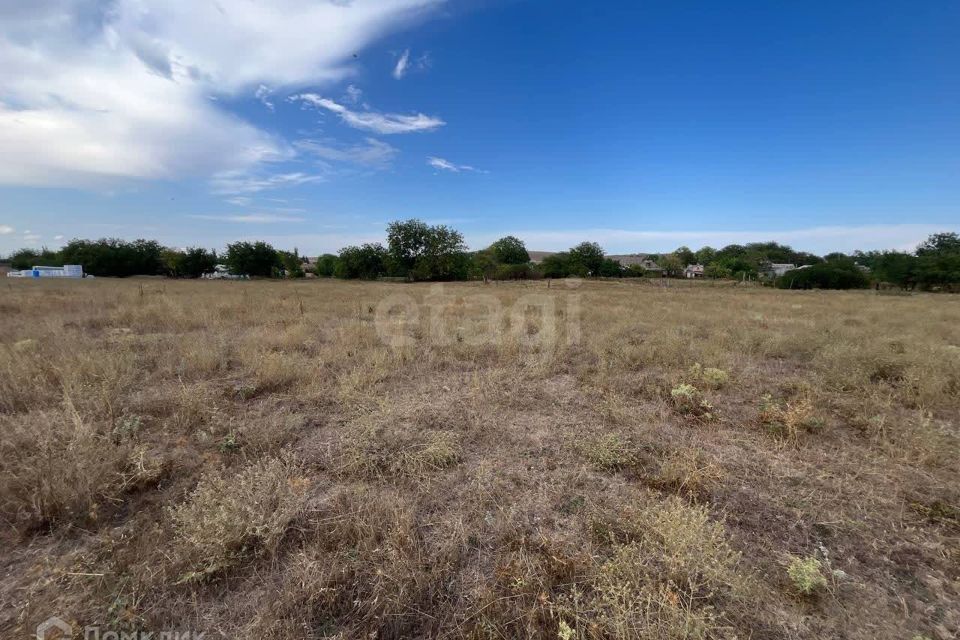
x: 242, y: 182
x: 446, y: 165
x: 32, y: 238
x: 403, y: 63
x: 382, y: 123
x: 58, y: 237
x: 372, y: 153
x: 129, y: 88
x: 823, y: 239
x: 253, y: 218
x: 352, y: 94
x: 240, y: 201
x: 263, y: 95
x: 6, y: 230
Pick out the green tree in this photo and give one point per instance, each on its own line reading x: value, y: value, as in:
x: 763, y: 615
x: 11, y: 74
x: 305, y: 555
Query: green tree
x: 828, y: 275
x: 406, y: 242
x: 422, y: 252
x: 367, y: 262
x: 671, y: 265
x: 610, y: 268
x: 326, y: 265
x: 193, y: 262
x: 706, y: 255
x: 26, y: 258
x: 686, y: 256
x: 115, y: 258
x: 586, y: 259
x: 556, y: 265
x: 716, y: 271
x: 940, y: 244
x: 291, y: 263
x: 510, y: 250
x: 252, y: 259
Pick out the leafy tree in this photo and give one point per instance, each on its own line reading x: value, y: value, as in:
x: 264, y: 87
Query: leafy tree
x: 291, y: 263
x: 671, y: 265
x: 515, y: 272
x: 586, y: 259
x: 367, y: 262
x: 406, y: 242
x: 190, y: 263
x: 610, y: 268
x: 940, y: 244
x: 706, y: 255
x: 686, y: 256
x: 424, y: 252
x: 326, y: 265
x: 716, y: 271
x: 483, y: 264
x: 252, y: 259
x: 556, y: 265
x: 444, y: 256
x: 26, y: 258
x: 828, y: 275
x: 634, y: 271
x: 114, y: 257
x: 510, y: 250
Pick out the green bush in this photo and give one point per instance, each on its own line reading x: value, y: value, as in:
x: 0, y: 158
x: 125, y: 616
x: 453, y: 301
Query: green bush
x: 826, y: 275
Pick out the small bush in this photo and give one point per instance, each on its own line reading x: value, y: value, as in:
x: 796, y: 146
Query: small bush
x: 609, y: 452
x: 688, y: 400
x: 374, y: 453
x: 806, y: 575
x: 709, y: 376
x: 230, y: 517
x: 789, y: 420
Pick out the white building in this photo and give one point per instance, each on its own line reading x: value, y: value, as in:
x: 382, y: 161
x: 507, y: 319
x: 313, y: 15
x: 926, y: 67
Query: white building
x: 66, y: 271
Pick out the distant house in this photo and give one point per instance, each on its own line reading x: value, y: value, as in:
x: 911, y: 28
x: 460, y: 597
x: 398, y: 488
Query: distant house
x: 777, y: 269
x: 693, y: 271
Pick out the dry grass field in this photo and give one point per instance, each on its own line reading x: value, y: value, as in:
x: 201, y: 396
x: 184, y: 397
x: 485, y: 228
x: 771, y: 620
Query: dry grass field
x: 613, y: 460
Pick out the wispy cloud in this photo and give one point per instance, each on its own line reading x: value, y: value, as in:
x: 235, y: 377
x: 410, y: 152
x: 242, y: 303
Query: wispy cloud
x: 58, y: 237
x: 141, y: 88
x: 240, y: 201
x: 6, y: 230
x: 239, y: 182
x: 403, y: 63
x: 446, y: 165
x: 253, y: 218
x: 382, y: 123
x: 263, y: 95
x: 352, y: 94
x: 372, y: 153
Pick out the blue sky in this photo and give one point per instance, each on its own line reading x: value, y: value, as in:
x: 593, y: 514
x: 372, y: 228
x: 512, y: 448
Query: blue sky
x: 643, y: 125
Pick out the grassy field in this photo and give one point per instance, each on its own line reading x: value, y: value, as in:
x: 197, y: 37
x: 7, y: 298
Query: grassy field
x: 616, y: 459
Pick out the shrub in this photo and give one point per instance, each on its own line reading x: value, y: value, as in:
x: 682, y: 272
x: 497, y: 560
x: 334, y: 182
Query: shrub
x: 806, y: 574
x: 711, y: 377
x: 688, y: 400
x: 609, y: 452
x: 660, y: 584
x: 366, y: 262
x: 827, y: 275
x: 230, y: 517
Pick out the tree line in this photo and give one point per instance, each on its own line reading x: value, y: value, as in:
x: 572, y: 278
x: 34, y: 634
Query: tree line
x: 418, y: 251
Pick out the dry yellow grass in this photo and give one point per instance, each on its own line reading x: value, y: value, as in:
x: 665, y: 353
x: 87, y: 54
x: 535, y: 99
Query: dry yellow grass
x: 616, y: 459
